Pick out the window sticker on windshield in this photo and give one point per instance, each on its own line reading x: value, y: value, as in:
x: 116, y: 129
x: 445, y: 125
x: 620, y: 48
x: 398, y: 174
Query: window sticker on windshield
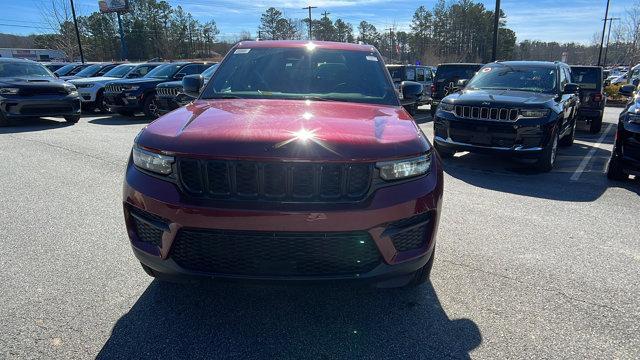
x: 372, y: 58
x: 241, y: 51
x: 487, y: 69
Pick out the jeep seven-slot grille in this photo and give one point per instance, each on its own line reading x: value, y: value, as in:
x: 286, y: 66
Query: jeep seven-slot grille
x: 275, y: 253
x: 113, y: 88
x: 168, y: 91
x: 274, y: 181
x: 486, y: 113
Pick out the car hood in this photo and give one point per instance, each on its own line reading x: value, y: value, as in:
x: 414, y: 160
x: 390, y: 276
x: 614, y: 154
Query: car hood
x: 171, y: 84
x: 36, y: 80
x: 93, y: 79
x: 502, y: 97
x: 286, y: 129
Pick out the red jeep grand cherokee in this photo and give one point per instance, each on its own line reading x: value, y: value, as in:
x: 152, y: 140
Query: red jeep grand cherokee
x: 296, y: 162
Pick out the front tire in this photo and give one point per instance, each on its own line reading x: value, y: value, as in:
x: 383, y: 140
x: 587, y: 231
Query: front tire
x: 101, y: 104
x: 424, y: 273
x: 4, y: 121
x: 149, y: 108
x: 548, y: 157
x: 615, y: 170
x: 72, y: 119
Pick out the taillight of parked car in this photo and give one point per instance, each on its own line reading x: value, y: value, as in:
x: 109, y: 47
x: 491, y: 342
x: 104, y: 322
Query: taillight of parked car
x: 433, y: 88
x: 598, y: 97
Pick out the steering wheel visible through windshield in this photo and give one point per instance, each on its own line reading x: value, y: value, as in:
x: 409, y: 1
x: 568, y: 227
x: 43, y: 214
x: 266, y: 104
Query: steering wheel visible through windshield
x: 302, y: 73
x: 507, y: 77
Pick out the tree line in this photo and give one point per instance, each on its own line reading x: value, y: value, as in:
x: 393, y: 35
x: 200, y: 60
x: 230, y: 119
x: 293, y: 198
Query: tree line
x: 450, y: 31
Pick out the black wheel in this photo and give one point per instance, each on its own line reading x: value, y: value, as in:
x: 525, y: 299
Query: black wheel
x: 615, y: 170
x: 125, y: 112
x: 72, y: 119
x: 150, y: 108
x: 548, y: 156
x: 101, y: 104
x: 596, y: 125
x: 148, y: 270
x: 568, y: 139
x: 4, y: 121
x: 444, y: 152
x: 423, y: 274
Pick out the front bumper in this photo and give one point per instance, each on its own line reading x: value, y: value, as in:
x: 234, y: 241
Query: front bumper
x: 40, y: 105
x: 124, y: 100
x: 522, y: 138
x: 388, y: 205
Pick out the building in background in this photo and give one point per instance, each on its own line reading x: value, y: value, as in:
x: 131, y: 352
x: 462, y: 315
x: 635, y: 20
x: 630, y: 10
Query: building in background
x: 33, y: 54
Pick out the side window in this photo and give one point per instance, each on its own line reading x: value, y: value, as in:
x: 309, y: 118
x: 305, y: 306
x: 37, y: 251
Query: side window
x: 563, y: 78
x: 191, y: 69
x: 142, y: 70
x: 420, y: 74
x: 411, y: 74
x: 569, y: 79
x: 428, y: 74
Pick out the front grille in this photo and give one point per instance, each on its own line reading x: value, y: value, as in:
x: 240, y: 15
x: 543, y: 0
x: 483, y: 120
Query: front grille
x: 45, y: 110
x: 410, y: 233
x: 275, y: 253
x: 148, y: 226
x: 483, y: 134
x: 114, y: 88
x: 275, y: 181
x: 43, y: 90
x: 486, y: 113
x: 168, y: 91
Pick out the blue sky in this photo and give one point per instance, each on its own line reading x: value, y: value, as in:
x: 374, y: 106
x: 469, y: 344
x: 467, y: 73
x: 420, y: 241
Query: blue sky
x: 549, y: 20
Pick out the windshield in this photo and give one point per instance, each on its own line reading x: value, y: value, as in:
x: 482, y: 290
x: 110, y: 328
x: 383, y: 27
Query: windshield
x: 524, y: 78
x: 90, y: 70
x: 587, y: 78
x: 23, y: 69
x: 396, y: 72
x: 302, y: 73
x: 119, y: 71
x: 164, y: 71
x: 209, y: 71
x: 65, y: 69
x: 455, y: 73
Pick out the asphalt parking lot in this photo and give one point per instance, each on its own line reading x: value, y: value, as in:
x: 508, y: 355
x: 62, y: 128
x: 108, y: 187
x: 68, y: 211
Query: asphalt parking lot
x: 528, y: 266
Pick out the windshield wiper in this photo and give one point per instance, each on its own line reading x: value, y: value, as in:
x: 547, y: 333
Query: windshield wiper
x: 318, y: 98
x: 225, y: 97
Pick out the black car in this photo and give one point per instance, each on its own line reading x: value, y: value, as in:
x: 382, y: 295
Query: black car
x: 592, y: 98
x: 129, y: 96
x: 446, y: 78
x: 29, y: 89
x: 415, y: 73
x: 625, y: 157
x: 520, y: 108
x: 71, y: 69
x: 169, y: 95
x: 93, y: 70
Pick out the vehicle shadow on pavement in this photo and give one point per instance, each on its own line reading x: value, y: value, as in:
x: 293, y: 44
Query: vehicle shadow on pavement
x: 229, y: 320
x: 519, y: 177
x: 117, y: 120
x: 33, y: 124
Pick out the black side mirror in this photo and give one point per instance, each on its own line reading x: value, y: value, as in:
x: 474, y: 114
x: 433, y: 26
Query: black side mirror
x: 411, y: 89
x: 191, y: 85
x: 627, y: 90
x: 571, y: 88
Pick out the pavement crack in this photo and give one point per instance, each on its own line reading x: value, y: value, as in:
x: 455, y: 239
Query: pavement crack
x: 547, y: 289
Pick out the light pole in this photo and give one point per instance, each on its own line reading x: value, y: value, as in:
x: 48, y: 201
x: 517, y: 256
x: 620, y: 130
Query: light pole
x: 604, y: 28
x: 496, y: 23
x: 75, y: 23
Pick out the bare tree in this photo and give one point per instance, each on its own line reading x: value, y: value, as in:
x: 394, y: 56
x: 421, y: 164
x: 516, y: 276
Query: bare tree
x: 58, y: 20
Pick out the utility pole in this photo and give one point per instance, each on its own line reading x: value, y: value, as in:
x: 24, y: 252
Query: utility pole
x: 604, y: 28
x: 390, y: 44
x: 496, y: 23
x: 123, y: 42
x: 309, y: 8
x: 325, y: 13
x: 75, y: 22
x: 606, y: 51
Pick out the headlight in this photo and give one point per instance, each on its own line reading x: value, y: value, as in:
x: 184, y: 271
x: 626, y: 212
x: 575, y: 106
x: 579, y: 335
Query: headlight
x: 446, y: 107
x: 401, y: 169
x: 534, y: 113
x: 73, y: 93
x: 9, y: 91
x: 81, y: 86
x: 151, y: 161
